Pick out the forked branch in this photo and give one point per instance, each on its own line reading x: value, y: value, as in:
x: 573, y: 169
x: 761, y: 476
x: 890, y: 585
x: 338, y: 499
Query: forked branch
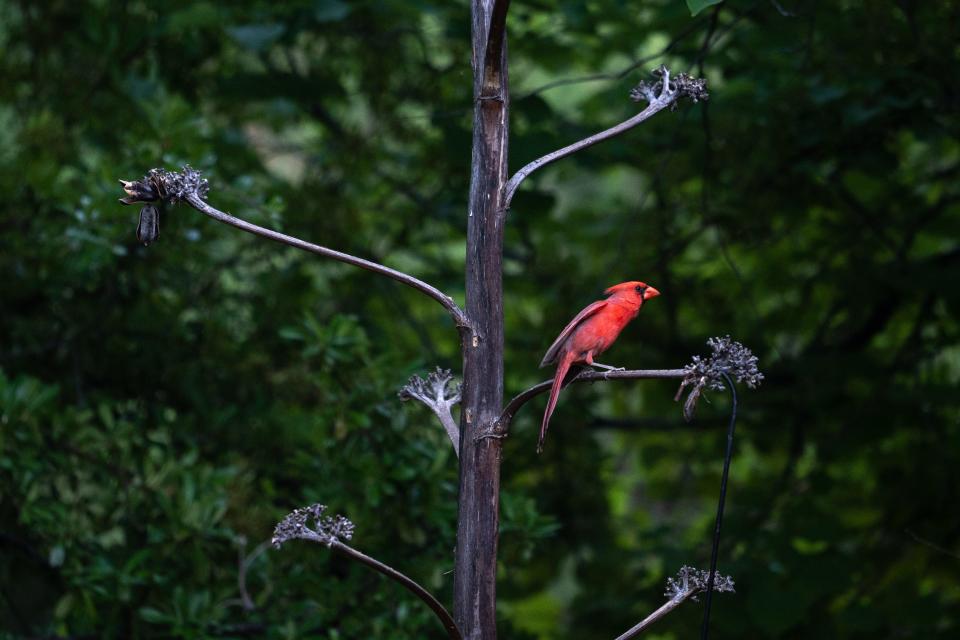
x: 187, y: 186
x: 309, y: 523
x: 661, y: 94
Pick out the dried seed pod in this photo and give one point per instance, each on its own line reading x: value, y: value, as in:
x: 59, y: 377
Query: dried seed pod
x: 139, y: 191
x: 148, y: 229
x: 690, y: 406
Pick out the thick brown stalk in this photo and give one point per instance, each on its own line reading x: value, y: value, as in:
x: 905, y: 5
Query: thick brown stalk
x: 478, y: 517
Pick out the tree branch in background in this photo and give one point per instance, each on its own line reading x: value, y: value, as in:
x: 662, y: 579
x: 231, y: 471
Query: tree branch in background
x: 663, y: 93
x: 688, y: 584
x: 616, y: 75
x: 187, y: 186
x: 309, y: 523
x: 437, y: 393
x: 244, y: 563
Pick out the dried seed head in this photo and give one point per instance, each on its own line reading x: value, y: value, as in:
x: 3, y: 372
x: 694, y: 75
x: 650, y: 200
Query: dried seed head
x: 669, y: 89
x: 691, y: 581
x: 170, y: 186
x: 729, y: 357
x: 309, y: 523
x: 438, y: 388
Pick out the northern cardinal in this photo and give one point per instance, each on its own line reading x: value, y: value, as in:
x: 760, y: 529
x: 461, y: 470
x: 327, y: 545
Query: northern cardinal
x: 590, y: 334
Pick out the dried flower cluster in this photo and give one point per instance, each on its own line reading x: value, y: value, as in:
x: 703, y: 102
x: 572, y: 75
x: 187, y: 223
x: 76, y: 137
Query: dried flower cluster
x: 161, y: 185
x: 729, y: 357
x: 670, y: 89
x: 170, y: 186
x: 309, y: 523
x: 436, y: 389
x: 691, y: 581
x: 439, y: 393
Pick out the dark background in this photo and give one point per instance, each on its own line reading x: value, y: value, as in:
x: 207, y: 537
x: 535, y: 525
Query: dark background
x: 161, y: 408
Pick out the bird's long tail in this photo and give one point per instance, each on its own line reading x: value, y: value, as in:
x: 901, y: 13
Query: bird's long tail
x: 561, y: 373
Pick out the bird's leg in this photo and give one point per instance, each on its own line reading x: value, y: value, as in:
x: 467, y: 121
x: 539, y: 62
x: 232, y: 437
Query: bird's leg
x: 590, y: 363
x: 607, y: 367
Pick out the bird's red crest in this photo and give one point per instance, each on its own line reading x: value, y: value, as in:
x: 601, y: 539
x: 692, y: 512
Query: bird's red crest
x: 625, y: 286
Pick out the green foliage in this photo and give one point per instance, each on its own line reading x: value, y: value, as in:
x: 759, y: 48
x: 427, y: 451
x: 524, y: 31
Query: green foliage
x: 161, y: 408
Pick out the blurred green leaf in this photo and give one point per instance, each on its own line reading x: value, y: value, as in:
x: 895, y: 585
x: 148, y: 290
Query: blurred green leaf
x: 696, y: 6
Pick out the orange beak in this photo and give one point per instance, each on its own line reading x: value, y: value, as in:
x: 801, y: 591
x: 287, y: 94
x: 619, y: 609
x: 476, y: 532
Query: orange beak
x: 650, y: 293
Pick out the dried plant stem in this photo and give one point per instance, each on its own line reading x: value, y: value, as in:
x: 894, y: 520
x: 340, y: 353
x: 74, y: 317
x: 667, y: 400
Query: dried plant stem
x: 644, y: 624
x: 521, y: 175
x: 686, y: 584
x: 439, y: 394
x: 450, y: 426
x: 408, y: 583
x: 243, y: 565
x: 458, y: 315
x: 585, y: 375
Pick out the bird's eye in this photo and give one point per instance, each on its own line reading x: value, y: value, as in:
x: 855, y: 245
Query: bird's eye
x: 638, y: 289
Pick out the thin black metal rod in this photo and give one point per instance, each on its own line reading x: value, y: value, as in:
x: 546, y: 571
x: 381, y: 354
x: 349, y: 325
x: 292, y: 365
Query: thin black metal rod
x: 705, y: 628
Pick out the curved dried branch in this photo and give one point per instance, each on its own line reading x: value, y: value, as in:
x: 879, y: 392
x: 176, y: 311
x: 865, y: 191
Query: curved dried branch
x: 187, y: 186
x: 244, y: 562
x: 502, y: 425
x: 688, y: 583
x: 661, y: 94
x: 409, y: 584
x: 438, y: 393
x: 309, y: 523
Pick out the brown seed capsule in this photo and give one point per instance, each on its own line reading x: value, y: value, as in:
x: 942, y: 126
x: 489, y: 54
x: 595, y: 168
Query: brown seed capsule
x: 139, y: 191
x: 148, y: 229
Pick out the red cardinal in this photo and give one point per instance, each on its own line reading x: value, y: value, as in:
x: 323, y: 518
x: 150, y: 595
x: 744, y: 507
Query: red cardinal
x: 590, y: 334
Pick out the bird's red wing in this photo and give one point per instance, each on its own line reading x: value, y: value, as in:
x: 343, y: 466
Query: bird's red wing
x: 551, y: 356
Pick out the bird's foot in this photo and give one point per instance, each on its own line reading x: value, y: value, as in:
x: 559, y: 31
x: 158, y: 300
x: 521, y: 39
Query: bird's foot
x: 607, y: 367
